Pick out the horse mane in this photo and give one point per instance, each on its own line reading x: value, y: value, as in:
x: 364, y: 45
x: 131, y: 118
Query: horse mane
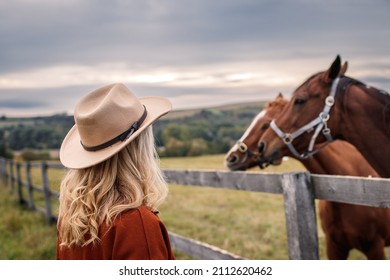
x: 382, y: 96
x: 386, y: 117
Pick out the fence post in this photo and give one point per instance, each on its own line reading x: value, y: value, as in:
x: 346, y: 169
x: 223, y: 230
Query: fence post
x: 47, y: 193
x: 3, y: 171
x: 20, y: 183
x: 6, y: 172
x: 30, y: 190
x: 300, y: 214
x: 12, y: 174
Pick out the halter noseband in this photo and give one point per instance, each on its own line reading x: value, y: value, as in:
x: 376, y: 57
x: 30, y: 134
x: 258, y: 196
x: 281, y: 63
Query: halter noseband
x: 243, y: 148
x: 319, y: 123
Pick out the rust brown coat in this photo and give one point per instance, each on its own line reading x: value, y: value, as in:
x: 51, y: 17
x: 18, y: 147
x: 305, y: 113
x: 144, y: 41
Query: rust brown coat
x: 137, y: 234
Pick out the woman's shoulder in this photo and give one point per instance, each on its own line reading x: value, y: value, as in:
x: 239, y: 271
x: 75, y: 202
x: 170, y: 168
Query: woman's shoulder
x: 141, y: 214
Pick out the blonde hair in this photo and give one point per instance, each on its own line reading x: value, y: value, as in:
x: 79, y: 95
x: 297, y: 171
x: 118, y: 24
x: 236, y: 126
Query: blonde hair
x: 97, y: 194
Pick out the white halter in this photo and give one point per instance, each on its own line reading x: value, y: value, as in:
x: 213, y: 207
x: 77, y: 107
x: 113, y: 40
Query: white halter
x: 319, y: 123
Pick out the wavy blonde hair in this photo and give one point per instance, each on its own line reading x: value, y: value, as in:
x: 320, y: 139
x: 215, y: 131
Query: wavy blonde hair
x: 97, y: 194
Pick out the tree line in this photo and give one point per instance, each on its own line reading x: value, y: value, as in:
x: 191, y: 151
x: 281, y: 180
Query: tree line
x: 204, y: 131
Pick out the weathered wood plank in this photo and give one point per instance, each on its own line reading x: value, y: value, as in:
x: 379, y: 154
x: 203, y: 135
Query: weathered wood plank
x: 55, y: 165
x: 12, y: 174
x: 200, y: 250
x: 19, y: 184
x: 34, y: 164
x: 239, y: 180
x: 3, y: 171
x: 300, y: 215
x: 55, y: 194
x: 354, y: 190
x: 30, y: 190
x: 36, y: 188
x: 47, y: 193
x: 37, y: 164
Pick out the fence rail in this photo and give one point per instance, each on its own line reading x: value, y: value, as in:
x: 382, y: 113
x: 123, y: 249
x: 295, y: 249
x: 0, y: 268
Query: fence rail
x: 299, y: 191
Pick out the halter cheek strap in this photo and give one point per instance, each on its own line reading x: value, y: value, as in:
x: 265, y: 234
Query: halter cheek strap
x: 319, y: 123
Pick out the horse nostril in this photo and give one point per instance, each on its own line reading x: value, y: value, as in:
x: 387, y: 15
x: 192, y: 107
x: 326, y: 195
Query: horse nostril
x: 261, y: 147
x: 232, y: 159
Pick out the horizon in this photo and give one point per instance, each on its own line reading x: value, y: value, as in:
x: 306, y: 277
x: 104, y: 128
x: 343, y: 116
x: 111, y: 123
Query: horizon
x: 219, y: 106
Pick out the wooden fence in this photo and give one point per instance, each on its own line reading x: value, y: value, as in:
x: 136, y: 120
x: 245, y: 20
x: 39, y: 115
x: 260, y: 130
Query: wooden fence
x: 298, y: 189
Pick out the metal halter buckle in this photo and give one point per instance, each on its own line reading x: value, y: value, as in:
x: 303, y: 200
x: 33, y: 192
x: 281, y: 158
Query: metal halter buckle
x: 287, y: 139
x: 242, y: 147
x: 324, y: 116
x: 329, y: 101
x: 326, y: 131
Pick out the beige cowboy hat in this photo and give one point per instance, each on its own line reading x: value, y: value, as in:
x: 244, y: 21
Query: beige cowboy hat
x: 107, y: 119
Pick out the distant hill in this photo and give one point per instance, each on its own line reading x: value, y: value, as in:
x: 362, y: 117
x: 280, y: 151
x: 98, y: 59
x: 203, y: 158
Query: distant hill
x: 204, y: 131
x: 174, y: 114
x: 36, y: 121
x: 179, y: 133
x: 36, y: 133
x: 249, y: 106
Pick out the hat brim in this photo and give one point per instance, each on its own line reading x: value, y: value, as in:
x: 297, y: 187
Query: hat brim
x: 74, y: 156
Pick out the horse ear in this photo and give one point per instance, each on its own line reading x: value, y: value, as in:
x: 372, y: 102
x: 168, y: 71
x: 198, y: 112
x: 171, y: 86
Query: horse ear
x: 333, y: 71
x: 344, y: 68
x: 280, y: 95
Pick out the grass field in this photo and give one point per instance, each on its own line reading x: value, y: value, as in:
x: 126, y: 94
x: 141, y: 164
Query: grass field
x: 24, y: 235
x: 249, y: 224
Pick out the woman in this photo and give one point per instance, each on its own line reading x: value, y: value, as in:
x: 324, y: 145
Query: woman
x: 110, y: 195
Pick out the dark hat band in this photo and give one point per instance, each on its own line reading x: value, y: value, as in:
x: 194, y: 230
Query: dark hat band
x: 121, y: 137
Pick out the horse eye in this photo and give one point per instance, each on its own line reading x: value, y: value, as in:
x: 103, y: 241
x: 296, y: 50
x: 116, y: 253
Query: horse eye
x: 299, y: 101
x: 265, y: 126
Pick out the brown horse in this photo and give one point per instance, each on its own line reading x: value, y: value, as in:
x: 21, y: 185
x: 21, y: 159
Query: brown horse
x: 328, y: 106
x: 346, y: 226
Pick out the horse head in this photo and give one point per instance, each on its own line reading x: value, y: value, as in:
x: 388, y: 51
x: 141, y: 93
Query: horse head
x: 244, y: 153
x: 304, y: 117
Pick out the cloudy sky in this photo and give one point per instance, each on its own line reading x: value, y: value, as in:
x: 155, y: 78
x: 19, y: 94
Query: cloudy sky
x: 196, y: 52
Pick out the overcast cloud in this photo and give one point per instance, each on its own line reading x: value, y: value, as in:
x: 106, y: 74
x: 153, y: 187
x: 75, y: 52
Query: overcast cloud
x: 195, y: 52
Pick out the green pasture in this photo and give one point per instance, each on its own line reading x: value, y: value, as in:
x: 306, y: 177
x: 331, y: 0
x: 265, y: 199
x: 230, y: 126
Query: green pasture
x: 248, y: 224
x: 24, y: 234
